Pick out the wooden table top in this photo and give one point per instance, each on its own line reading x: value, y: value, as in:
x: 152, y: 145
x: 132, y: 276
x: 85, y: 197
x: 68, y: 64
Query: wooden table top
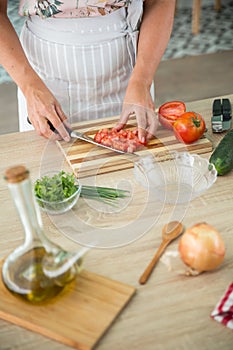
x: 170, y: 311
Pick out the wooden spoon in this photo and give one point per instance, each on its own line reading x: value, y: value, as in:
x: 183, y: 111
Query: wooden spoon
x: 170, y: 232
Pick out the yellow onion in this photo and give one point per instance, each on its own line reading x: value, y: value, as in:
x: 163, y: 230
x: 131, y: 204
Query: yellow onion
x: 201, y: 247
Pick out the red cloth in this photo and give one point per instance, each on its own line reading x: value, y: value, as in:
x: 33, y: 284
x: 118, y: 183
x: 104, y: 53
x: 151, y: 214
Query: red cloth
x: 223, y: 311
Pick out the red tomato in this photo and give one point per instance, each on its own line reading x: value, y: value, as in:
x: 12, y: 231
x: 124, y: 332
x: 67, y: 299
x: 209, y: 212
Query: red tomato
x: 120, y: 145
x: 100, y: 135
x: 131, y: 135
x: 189, y: 127
x: 106, y: 140
x: 97, y: 137
x: 124, y: 140
x: 169, y: 112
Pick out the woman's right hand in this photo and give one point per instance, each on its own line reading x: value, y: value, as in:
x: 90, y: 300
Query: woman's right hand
x: 41, y: 104
x: 42, y: 107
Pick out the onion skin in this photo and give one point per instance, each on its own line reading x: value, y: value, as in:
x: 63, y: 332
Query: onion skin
x: 201, y: 247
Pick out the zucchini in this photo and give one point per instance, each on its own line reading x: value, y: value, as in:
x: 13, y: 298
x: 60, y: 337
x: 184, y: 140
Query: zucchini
x: 222, y: 157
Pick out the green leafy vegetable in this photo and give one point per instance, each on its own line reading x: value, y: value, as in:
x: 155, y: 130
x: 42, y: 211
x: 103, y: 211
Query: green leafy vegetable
x: 63, y: 185
x: 56, y: 188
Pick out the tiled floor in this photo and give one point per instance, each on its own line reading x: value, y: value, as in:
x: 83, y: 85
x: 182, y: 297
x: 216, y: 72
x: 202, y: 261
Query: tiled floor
x: 216, y: 31
x: 193, y: 67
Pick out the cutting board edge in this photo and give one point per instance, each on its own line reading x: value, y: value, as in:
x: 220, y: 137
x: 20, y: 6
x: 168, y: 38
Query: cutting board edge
x: 118, y: 167
x: 51, y: 334
x: 42, y: 331
x: 115, y: 319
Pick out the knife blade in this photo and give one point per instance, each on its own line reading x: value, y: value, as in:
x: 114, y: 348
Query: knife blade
x: 81, y: 136
x: 78, y: 135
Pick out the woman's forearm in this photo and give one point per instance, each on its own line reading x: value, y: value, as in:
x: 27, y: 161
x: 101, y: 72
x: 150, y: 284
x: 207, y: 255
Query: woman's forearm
x: 12, y: 56
x: 154, y: 35
x: 42, y: 106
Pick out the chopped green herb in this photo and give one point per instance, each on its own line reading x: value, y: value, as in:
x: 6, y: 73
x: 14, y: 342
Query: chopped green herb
x: 56, y: 188
x: 63, y: 185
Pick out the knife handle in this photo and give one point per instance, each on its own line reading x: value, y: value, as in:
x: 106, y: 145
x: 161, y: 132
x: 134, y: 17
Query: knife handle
x: 52, y: 127
x: 49, y: 122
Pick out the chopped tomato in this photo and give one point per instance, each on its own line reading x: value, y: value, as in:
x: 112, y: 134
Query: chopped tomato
x: 189, y: 127
x: 123, y: 140
x: 169, y: 112
x: 97, y: 137
x: 130, y: 135
x: 106, y: 141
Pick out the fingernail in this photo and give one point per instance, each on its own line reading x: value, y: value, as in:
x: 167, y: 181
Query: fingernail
x: 67, y: 139
x: 143, y: 139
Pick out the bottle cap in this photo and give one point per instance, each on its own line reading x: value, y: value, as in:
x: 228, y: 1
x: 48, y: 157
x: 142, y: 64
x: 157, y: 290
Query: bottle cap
x: 16, y: 174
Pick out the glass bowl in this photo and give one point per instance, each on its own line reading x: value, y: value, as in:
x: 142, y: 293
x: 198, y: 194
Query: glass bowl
x: 60, y: 206
x: 179, y: 179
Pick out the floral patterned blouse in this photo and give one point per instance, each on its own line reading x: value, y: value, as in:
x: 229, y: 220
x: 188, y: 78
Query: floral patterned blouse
x: 69, y: 8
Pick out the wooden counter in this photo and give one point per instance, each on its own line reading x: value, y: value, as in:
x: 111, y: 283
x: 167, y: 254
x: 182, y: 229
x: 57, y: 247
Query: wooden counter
x: 170, y: 312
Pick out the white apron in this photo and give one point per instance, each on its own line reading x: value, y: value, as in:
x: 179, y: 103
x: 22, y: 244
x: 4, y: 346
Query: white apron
x: 85, y: 62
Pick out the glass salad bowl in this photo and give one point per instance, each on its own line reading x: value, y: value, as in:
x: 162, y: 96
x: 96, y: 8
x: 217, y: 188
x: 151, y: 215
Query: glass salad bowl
x: 56, y: 193
x: 179, y: 179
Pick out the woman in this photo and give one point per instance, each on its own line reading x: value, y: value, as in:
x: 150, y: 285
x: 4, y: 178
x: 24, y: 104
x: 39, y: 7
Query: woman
x: 86, y: 59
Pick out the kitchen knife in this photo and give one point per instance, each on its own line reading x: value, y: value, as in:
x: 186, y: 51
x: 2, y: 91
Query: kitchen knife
x: 83, y: 137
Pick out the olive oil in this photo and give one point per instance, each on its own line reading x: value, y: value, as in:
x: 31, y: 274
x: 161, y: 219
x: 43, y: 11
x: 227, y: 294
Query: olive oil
x: 32, y: 284
x: 36, y: 270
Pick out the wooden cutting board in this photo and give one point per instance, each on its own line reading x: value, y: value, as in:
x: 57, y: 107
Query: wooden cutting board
x: 78, y: 317
x: 85, y: 158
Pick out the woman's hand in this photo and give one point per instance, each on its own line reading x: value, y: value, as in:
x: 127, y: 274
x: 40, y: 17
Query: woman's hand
x: 155, y: 31
x: 41, y: 104
x: 138, y: 101
x: 42, y: 107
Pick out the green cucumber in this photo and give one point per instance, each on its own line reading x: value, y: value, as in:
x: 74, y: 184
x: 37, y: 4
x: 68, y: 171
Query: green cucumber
x: 222, y: 157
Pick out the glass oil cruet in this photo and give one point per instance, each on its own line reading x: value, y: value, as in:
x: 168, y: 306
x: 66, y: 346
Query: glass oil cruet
x: 38, y: 269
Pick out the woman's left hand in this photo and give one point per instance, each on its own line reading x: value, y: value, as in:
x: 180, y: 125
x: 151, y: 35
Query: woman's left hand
x: 138, y: 101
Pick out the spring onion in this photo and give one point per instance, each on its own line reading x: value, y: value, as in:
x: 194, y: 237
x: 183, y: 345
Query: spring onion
x: 62, y: 185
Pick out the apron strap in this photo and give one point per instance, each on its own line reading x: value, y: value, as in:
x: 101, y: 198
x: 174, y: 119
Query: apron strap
x: 133, y: 20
